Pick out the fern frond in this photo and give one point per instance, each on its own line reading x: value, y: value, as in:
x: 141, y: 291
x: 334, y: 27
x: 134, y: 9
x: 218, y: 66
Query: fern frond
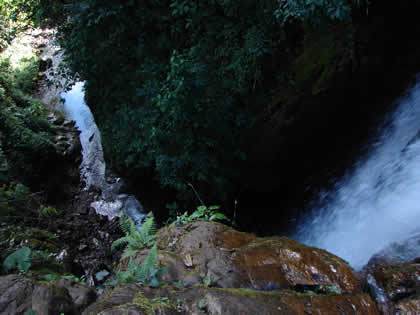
x: 151, y: 261
x: 133, y: 239
x: 124, y: 223
x: 133, y: 228
x: 129, y: 252
x: 120, y: 242
x: 20, y: 260
x: 148, y: 231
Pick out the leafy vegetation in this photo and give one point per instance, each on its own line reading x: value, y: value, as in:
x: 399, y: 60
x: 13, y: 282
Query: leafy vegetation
x: 147, y: 273
x: 201, y: 214
x: 208, y: 280
x: 202, y: 304
x: 135, y: 240
x: 26, y: 138
x: 56, y: 276
x: 19, y: 260
x: 176, y: 86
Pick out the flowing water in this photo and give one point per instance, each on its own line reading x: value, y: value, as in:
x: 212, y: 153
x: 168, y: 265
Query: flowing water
x: 378, y: 203
x: 92, y: 169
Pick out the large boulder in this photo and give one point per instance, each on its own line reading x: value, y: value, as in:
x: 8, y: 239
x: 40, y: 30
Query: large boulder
x: 18, y: 295
x: 393, y: 277
x: 231, y: 259
x: 134, y: 299
x: 396, y: 288
x: 15, y: 294
x: 215, y: 269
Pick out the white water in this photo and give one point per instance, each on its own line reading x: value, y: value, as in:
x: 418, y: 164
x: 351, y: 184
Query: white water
x: 379, y: 202
x: 92, y: 169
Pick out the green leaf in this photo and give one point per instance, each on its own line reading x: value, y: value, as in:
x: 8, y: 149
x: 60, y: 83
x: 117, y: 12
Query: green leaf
x: 202, y: 208
x: 50, y: 277
x: 20, y: 260
x: 101, y: 275
x: 218, y: 216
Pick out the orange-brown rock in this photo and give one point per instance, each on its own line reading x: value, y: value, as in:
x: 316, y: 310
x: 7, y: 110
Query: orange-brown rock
x: 400, y: 284
x: 231, y: 259
x: 399, y: 281
x: 134, y: 299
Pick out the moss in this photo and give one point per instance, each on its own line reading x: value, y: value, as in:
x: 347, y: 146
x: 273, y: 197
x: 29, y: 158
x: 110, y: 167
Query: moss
x: 193, y: 271
x: 37, y: 234
x: 249, y: 292
x: 172, y: 254
x: 148, y: 305
x: 41, y: 245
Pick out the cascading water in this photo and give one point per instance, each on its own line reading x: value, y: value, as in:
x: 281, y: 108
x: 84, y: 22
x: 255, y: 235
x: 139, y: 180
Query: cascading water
x: 93, y: 166
x: 379, y: 202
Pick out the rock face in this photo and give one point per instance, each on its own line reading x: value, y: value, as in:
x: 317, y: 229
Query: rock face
x: 240, y: 260
x: 133, y: 299
x: 215, y: 269
x: 393, y: 277
x: 212, y: 269
x: 18, y: 295
x: 396, y: 287
x: 63, y: 174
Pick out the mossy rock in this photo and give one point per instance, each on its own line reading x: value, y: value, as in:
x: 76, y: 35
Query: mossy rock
x: 134, y: 299
x: 36, y: 239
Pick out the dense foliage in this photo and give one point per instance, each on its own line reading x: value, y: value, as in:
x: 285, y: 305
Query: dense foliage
x: 26, y: 135
x: 176, y: 85
x: 135, y: 240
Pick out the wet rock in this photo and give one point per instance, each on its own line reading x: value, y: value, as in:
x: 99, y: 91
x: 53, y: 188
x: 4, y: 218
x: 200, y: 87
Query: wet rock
x: 19, y: 294
x: 134, y: 299
x: 51, y: 299
x: 81, y: 295
x: 45, y: 64
x: 378, y: 294
x: 233, y: 260
x: 15, y: 294
x: 398, y: 285
x: 408, y: 306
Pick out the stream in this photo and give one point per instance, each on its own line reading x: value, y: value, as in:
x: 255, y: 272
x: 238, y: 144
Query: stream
x: 93, y: 167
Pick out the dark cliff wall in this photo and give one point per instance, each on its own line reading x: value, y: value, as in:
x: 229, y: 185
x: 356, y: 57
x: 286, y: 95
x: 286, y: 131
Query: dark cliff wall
x: 316, y: 135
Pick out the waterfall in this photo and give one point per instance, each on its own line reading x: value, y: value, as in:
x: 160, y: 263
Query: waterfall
x: 92, y: 169
x: 378, y: 203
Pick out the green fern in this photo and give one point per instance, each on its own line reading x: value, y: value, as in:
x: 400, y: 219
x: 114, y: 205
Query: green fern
x: 133, y: 239
x: 20, y: 260
x: 147, y: 273
x: 47, y: 211
x: 151, y: 261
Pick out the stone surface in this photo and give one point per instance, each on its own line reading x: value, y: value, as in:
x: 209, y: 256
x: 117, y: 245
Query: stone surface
x: 240, y: 260
x: 51, y: 299
x: 395, y: 287
x: 133, y: 299
x: 18, y: 295
x: 15, y: 294
x: 81, y: 295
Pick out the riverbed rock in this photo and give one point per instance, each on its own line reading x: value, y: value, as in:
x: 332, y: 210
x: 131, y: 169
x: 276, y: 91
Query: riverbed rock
x: 214, y: 253
x: 18, y: 295
x: 396, y: 287
x: 215, y: 269
x: 134, y: 299
x: 15, y: 294
x: 49, y: 299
